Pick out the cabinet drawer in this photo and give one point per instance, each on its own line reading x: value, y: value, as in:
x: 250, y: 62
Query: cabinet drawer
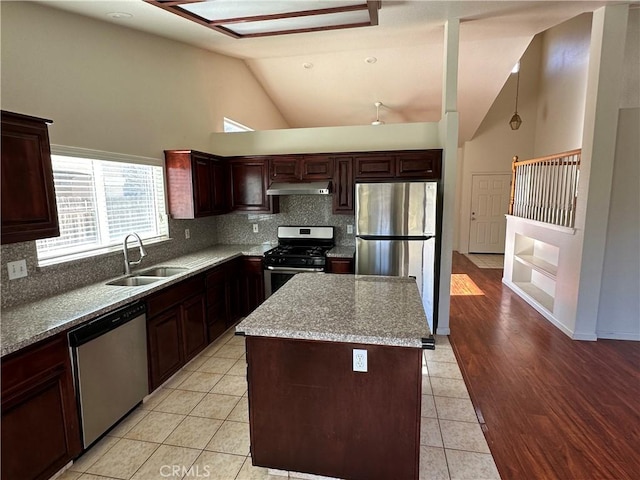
x: 375, y: 167
x: 174, y: 295
x: 423, y: 165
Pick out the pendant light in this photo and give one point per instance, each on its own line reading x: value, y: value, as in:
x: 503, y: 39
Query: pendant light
x: 377, y: 121
x: 516, y: 121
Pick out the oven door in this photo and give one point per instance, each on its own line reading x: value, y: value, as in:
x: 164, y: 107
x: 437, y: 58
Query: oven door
x: 276, y: 277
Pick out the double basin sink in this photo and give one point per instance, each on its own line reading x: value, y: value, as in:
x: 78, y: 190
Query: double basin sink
x: 145, y: 277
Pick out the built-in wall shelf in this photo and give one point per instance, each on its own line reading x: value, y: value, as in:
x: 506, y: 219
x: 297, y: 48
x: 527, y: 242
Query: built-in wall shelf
x: 535, y: 266
x: 540, y: 296
x: 536, y: 263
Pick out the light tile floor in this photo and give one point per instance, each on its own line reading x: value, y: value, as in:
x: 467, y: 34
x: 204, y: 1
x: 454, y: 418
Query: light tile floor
x: 486, y: 260
x: 196, y: 425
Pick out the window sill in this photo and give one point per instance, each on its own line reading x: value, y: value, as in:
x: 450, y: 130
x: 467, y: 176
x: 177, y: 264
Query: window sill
x: 103, y: 252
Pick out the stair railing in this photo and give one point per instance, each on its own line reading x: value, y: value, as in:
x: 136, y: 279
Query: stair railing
x: 545, y: 188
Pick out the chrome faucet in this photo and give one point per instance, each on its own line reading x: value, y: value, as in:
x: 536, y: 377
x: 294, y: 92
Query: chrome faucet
x: 127, y: 263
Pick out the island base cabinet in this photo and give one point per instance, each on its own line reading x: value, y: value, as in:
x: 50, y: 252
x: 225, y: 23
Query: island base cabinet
x: 310, y: 412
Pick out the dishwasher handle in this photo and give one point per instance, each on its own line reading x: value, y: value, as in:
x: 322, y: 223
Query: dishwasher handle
x: 105, y: 323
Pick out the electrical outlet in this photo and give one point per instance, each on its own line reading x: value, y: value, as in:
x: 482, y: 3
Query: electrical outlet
x: 359, y: 360
x: 187, y: 233
x: 255, y: 228
x: 350, y: 229
x: 17, y: 269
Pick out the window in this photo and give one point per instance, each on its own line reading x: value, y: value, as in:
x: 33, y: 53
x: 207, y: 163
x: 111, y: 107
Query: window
x: 99, y: 202
x: 231, y: 126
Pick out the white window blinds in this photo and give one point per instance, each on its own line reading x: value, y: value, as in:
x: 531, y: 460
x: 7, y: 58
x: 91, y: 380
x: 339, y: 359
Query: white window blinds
x: 99, y: 202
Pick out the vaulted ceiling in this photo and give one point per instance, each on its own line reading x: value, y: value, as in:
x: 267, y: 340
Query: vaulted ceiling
x: 334, y: 77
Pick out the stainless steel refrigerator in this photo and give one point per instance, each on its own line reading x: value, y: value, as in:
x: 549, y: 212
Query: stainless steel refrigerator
x: 396, y: 234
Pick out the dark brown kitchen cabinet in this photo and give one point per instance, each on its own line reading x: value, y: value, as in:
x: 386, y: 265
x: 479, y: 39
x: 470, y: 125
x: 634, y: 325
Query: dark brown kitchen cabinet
x: 249, y: 182
x: 375, y: 166
x: 176, y: 328
x: 253, y: 284
x: 340, y: 265
x: 197, y: 184
x: 284, y: 168
x: 343, y: 185
x: 166, y: 355
x: 40, y: 426
x: 217, y: 302
x: 399, y: 165
x: 423, y: 165
x: 28, y: 197
x: 287, y: 168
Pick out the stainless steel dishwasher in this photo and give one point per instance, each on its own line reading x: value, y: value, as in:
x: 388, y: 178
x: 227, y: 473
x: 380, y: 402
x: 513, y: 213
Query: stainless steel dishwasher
x: 110, y: 367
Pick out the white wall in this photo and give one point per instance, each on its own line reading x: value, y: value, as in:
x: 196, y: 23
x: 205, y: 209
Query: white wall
x: 111, y: 88
x: 399, y: 136
x: 619, y: 309
x: 493, y: 146
x: 563, y: 85
x: 630, y: 97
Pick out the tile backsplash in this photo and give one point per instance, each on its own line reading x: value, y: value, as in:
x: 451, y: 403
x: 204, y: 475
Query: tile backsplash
x: 309, y: 210
x: 53, y: 279
x: 227, y: 229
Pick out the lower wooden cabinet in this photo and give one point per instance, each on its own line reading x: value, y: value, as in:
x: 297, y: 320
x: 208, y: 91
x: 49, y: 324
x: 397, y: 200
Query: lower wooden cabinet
x: 253, y: 284
x: 40, y: 425
x: 340, y: 265
x: 176, y: 328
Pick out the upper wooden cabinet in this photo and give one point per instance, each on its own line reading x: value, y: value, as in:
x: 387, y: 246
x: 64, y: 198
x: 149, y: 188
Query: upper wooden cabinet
x: 343, y: 185
x: 197, y: 184
x: 410, y: 165
x: 28, y: 196
x: 249, y: 183
x: 287, y: 168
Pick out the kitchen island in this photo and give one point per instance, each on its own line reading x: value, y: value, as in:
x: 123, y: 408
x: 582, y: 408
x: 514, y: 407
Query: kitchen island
x: 310, y: 410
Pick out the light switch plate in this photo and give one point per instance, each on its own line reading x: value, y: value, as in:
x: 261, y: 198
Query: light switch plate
x: 349, y: 229
x: 359, y: 360
x: 17, y: 269
x: 255, y: 228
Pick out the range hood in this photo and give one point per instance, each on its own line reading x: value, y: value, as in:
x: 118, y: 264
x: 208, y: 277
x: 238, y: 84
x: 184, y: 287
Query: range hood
x: 312, y: 188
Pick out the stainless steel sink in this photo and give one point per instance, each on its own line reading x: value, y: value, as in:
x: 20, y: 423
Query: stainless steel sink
x: 136, y: 281
x: 161, y: 272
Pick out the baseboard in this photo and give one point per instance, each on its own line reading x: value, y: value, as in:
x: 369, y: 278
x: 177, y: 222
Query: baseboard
x: 634, y: 337
x: 443, y: 331
x: 587, y: 337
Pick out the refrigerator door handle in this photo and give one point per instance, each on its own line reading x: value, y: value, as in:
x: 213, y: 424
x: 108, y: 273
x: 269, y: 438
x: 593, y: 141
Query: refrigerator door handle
x: 396, y: 237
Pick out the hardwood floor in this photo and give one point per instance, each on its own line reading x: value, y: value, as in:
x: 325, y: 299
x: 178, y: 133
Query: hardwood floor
x: 550, y: 407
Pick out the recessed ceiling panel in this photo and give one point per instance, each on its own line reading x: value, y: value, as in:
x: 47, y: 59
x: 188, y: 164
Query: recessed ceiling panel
x: 225, y: 9
x: 315, y: 22
x: 261, y: 18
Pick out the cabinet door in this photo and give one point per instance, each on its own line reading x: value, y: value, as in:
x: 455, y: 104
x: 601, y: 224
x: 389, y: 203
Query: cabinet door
x: 284, y: 169
x: 422, y: 165
x: 233, y: 275
x: 40, y: 426
x: 249, y: 179
x: 340, y: 265
x: 316, y: 167
x: 343, y: 186
x: 253, y: 284
x: 220, y: 186
x: 202, y: 185
x: 217, y: 301
x: 375, y: 166
x: 28, y: 196
x: 165, y: 346
x: 194, y: 326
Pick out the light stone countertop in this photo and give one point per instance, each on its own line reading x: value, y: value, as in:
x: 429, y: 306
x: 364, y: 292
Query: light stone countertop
x: 342, y: 308
x: 31, y: 322
x: 342, y: 252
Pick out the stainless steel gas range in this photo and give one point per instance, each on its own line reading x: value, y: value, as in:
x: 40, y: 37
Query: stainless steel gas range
x: 300, y: 249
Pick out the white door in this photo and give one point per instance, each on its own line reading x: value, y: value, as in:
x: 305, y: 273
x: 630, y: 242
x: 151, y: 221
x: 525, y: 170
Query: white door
x: 489, y: 204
